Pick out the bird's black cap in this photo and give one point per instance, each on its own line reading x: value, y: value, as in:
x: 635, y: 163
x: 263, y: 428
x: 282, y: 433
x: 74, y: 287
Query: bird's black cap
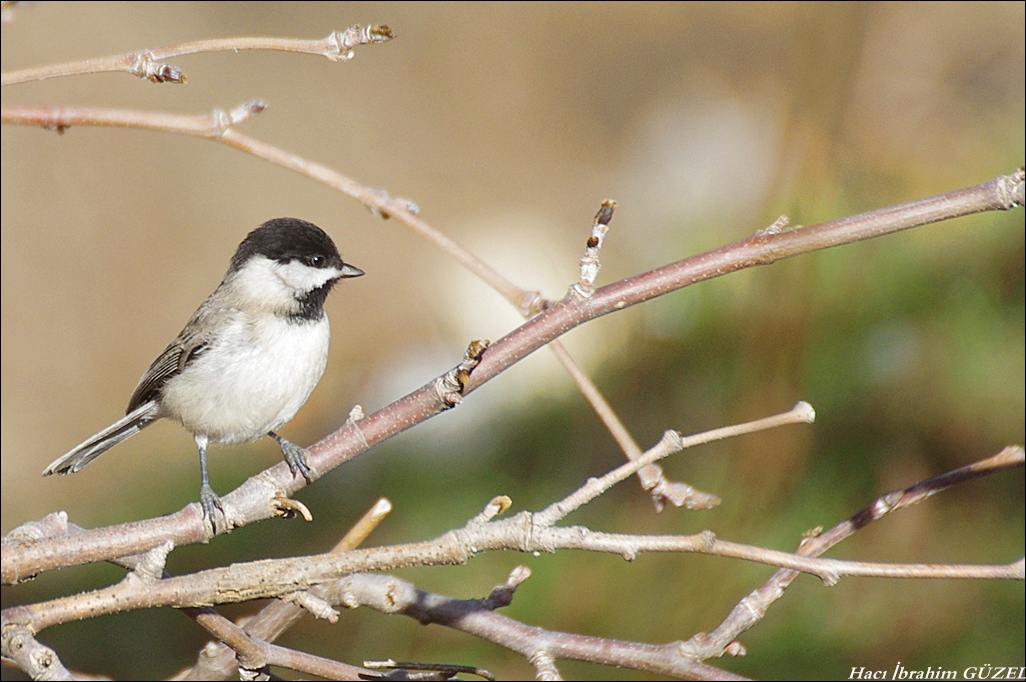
x: 286, y: 239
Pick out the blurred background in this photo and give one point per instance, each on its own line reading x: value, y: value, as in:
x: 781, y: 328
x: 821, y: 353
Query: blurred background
x: 508, y: 125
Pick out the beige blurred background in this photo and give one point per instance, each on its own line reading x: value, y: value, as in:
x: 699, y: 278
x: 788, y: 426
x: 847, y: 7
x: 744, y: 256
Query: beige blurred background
x: 507, y: 124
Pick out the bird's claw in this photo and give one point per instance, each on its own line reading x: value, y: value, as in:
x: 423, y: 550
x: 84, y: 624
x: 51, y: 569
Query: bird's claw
x: 213, y: 511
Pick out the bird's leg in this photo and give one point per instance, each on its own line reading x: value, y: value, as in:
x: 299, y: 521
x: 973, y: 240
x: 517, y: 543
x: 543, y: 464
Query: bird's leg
x: 209, y: 500
x: 295, y: 457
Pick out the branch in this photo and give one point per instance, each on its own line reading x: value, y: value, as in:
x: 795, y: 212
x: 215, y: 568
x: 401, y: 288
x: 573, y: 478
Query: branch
x: 752, y: 608
x: 216, y: 127
x: 540, y: 646
x: 147, y: 63
x: 523, y: 532
x: 527, y: 302
x: 219, y: 660
x: 249, y: 502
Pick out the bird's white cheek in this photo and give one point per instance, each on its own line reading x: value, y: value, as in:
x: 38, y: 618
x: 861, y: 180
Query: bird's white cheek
x: 251, y: 383
x: 304, y: 278
x: 259, y: 285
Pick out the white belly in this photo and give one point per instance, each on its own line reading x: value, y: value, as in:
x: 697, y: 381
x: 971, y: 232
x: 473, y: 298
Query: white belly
x: 251, y: 382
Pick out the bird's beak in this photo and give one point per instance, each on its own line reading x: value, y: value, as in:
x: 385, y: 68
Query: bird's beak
x: 350, y: 271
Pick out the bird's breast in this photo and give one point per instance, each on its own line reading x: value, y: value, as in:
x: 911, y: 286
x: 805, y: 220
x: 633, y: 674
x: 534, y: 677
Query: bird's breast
x: 252, y: 378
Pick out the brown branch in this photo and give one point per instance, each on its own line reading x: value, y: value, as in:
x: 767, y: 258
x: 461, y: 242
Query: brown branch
x: 651, y: 476
x: 216, y: 126
x: 249, y: 502
x: 672, y: 441
x: 752, y: 608
x: 523, y: 532
x: 1008, y: 194
x: 272, y: 620
x: 477, y: 617
x: 540, y: 646
x: 147, y: 63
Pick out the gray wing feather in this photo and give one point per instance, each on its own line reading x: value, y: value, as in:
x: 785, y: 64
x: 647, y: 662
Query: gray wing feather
x: 144, y: 406
x: 96, y: 445
x: 181, y: 351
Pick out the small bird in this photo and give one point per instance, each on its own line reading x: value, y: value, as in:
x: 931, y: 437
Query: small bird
x: 248, y: 358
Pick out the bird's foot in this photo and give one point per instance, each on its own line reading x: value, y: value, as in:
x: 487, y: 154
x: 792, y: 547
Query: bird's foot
x: 295, y: 457
x: 213, y: 511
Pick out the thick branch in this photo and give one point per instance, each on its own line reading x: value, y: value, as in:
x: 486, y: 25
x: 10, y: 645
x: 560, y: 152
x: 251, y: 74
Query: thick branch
x: 23, y: 560
x: 277, y: 577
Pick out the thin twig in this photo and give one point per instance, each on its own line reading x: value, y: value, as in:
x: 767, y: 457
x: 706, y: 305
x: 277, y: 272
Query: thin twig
x: 22, y: 560
x: 147, y: 63
x: 216, y: 126
x: 522, y: 532
x: 541, y: 646
x: 753, y: 607
x: 801, y: 413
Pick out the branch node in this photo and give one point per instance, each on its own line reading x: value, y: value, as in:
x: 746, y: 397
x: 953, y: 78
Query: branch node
x: 805, y: 412
x: 54, y: 523
x: 1010, y: 189
x: 221, y: 121
x: 151, y: 568
x: 497, y: 505
x: 146, y: 66
x: 809, y: 536
x: 672, y: 440
x: 736, y: 649
x: 343, y: 42
x: 502, y: 595
x: 777, y: 227
x: 590, y: 264
x: 830, y: 578
x: 356, y: 414
x: 288, y: 508
x: 531, y: 303
x: 381, y: 209
x: 450, y: 386
x: 34, y: 658
x: 411, y: 205
x: 349, y: 600
x: 316, y: 605
x: 545, y: 664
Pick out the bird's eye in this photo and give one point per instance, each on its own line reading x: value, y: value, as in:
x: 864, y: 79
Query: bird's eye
x: 317, y: 261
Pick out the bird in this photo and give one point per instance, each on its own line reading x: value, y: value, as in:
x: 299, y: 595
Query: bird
x: 247, y: 359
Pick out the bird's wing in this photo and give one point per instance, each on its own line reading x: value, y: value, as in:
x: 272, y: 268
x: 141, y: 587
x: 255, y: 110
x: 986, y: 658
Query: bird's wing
x: 185, y: 349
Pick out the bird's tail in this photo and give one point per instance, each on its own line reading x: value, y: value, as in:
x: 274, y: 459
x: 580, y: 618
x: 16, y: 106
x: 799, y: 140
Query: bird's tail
x: 85, y: 452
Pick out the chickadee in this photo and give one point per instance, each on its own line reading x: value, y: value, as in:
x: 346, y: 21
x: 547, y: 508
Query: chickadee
x: 248, y: 358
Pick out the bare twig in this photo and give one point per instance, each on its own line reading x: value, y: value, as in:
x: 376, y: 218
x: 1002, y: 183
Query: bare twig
x: 540, y: 646
x: 215, y: 126
x: 651, y: 476
x: 211, y: 126
x: 522, y: 532
x: 752, y: 608
x: 671, y: 442
x: 147, y: 63
x: 22, y: 560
